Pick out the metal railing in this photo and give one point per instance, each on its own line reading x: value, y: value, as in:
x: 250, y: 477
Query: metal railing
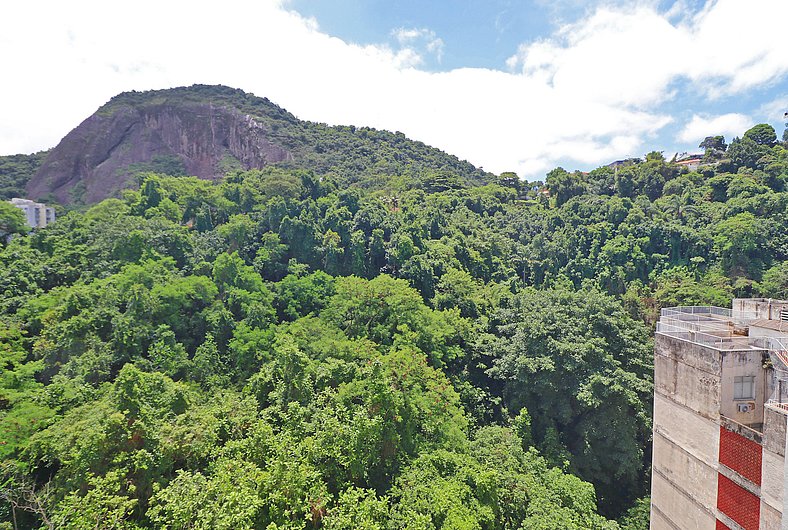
x: 714, y: 327
x: 782, y: 407
x: 697, y: 310
x: 699, y: 325
x: 707, y: 311
x: 776, y: 344
x: 719, y: 342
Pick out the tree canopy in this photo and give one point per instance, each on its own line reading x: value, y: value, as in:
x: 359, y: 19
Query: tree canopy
x: 276, y: 350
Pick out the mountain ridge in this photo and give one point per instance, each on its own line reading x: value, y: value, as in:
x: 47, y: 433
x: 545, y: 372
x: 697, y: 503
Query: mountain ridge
x: 209, y: 130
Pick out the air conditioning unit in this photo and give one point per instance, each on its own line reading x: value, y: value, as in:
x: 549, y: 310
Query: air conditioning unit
x: 746, y: 407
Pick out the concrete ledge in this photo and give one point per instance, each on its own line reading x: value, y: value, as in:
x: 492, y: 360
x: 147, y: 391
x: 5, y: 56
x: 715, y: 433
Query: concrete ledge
x: 740, y: 480
x: 742, y: 430
x: 662, y: 521
x: 684, y: 493
x: 730, y: 523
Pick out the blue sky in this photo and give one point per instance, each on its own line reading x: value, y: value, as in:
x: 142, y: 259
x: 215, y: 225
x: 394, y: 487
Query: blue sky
x: 474, y: 33
x: 510, y: 85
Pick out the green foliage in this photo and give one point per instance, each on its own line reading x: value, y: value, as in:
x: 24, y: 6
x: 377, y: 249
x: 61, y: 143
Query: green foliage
x: 302, y: 347
x: 680, y: 286
x: 637, y: 517
x: 762, y: 134
x: 495, y: 486
x: 358, y: 509
x: 16, y: 171
x: 738, y: 240
x: 161, y: 164
x: 579, y: 364
x: 775, y: 282
x: 228, y: 499
x: 563, y: 185
x: 715, y: 146
x: 12, y: 222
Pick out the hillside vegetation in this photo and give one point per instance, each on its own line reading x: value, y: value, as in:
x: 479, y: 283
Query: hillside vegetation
x: 16, y: 171
x: 285, y: 350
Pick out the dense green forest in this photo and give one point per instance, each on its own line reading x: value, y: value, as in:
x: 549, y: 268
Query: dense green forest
x: 282, y: 350
x: 15, y: 171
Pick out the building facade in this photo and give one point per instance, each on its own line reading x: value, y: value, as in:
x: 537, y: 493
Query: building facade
x: 37, y: 215
x: 720, y: 413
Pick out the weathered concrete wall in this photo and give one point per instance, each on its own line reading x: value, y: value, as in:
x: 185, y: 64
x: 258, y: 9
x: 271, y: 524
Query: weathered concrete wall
x: 774, y: 421
x: 661, y: 522
x: 758, y: 308
x: 772, y: 479
x: 686, y: 434
x: 774, y: 426
x: 694, y: 396
x: 775, y: 474
x: 680, y: 509
x: 697, y: 435
x: 689, y: 374
x: 684, y: 470
x: 742, y: 363
x: 771, y: 519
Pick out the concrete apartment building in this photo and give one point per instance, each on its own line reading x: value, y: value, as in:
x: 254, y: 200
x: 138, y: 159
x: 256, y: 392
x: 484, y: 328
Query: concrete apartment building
x: 38, y: 215
x: 720, y: 411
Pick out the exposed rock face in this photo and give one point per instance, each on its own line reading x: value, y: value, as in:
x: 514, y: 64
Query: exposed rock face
x: 98, y: 158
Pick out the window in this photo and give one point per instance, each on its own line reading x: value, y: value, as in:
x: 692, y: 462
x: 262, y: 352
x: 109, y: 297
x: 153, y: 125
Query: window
x: 744, y: 387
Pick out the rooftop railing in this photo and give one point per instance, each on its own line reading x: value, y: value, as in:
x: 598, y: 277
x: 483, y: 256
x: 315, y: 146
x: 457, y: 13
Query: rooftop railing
x: 714, y: 327
x: 701, y: 312
x: 722, y: 326
x: 777, y: 344
x: 776, y: 405
x: 697, y: 310
x: 726, y: 341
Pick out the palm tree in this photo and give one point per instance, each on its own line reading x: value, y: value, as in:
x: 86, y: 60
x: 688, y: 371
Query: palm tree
x: 680, y: 205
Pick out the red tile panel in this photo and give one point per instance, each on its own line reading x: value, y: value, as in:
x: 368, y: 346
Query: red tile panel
x: 721, y: 525
x: 738, y: 503
x: 741, y: 455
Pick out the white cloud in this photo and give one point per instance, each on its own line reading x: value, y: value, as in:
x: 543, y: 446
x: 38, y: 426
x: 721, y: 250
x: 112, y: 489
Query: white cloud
x: 631, y: 55
x: 409, y: 38
x: 775, y: 109
x: 728, y: 125
x: 591, y: 93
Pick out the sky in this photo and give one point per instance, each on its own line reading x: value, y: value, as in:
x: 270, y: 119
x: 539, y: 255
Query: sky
x: 509, y: 85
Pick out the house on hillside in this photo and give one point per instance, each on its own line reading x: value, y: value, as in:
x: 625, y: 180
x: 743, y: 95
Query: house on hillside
x: 691, y: 162
x: 625, y: 162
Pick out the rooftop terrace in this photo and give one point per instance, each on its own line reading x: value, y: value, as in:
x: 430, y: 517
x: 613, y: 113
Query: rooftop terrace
x: 718, y: 328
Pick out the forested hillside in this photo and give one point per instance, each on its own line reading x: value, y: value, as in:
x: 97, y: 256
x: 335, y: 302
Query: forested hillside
x: 16, y: 171
x: 285, y: 350
x: 207, y: 131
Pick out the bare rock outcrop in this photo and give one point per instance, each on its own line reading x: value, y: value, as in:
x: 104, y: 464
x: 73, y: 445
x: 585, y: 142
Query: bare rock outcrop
x: 99, y: 158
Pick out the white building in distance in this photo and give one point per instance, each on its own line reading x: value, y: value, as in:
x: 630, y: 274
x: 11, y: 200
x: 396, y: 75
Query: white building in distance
x: 37, y: 215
